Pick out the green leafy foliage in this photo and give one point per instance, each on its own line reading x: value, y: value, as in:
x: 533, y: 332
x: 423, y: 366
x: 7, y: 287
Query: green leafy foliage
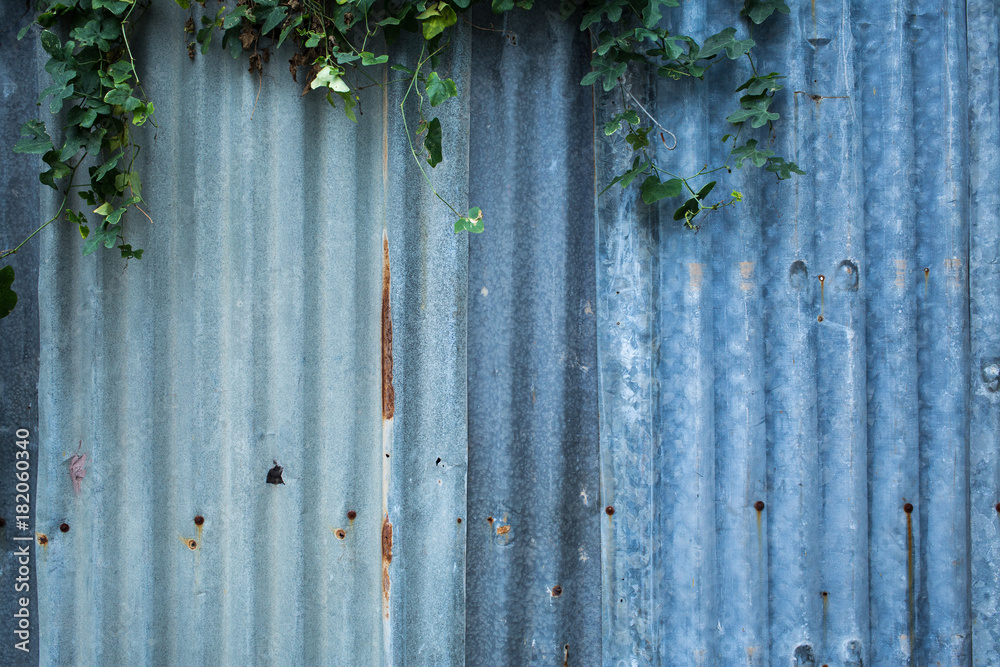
x: 95, y: 87
x: 8, y: 298
x: 335, y: 44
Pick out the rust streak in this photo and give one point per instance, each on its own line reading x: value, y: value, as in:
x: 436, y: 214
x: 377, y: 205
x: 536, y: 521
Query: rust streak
x: 386, y: 559
x: 388, y: 394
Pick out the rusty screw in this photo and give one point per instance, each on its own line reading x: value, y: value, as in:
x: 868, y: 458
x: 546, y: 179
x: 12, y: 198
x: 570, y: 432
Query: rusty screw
x: 64, y: 527
x: 351, y: 514
x: 556, y: 591
x: 609, y: 510
x: 199, y: 520
x: 759, y: 505
x: 908, y: 508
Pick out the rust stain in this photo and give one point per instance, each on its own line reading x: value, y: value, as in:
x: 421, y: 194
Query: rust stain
x: 386, y: 559
x: 566, y: 655
x: 696, y: 275
x: 503, y: 530
x: 192, y: 544
x: 43, y: 539
x: 388, y: 394
x: 746, y: 274
x: 910, y: 601
x: 900, y: 272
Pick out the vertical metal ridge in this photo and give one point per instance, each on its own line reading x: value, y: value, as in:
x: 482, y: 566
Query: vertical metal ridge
x: 984, y: 363
x: 941, y: 139
x: 532, y: 586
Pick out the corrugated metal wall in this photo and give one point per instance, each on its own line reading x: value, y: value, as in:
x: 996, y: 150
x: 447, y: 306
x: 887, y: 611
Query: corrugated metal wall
x: 585, y: 437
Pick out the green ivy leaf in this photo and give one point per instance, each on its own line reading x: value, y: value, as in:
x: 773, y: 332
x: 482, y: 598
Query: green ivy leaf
x: 726, y: 41
x: 432, y: 142
x: 473, y: 222
x: 651, y: 15
x: 755, y: 110
x: 615, y: 124
x: 129, y: 253
x: 8, y: 298
x: 439, y: 90
x: 783, y: 169
x: 688, y: 210
x: 759, y: 10
x: 273, y: 18
x: 434, y: 25
x: 749, y: 151
x: 758, y: 85
x: 35, y: 140
x: 653, y: 190
x: 705, y: 191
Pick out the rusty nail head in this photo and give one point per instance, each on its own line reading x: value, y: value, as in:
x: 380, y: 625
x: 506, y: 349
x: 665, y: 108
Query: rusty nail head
x: 819, y: 319
x: 824, y: 593
x: 822, y: 278
x: 351, y: 514
x: 64, y: 527
x: 997, y: 508
x: 609, y: 510
x: 340, y: 533
x: 759, y: 505
x: 556, y: 591
x: 460, y: 519
x: 489, y: 519
x: 198, y: 520
x: 926, y: 270
x: 192, y: 545
x: 908, y: 508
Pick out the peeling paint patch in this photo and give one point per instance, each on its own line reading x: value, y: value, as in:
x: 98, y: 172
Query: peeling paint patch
x: 77, y: 471
x: 900, y: 272
x: 388, y: 393
x: 696, y: 275
x: 746, y: 276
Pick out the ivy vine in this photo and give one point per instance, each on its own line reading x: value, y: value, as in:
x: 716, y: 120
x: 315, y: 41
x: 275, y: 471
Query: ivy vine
x: 97, y: 97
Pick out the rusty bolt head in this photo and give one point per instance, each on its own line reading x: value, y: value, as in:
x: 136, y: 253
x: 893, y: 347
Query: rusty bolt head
x: 556, y: 591
x: 64, y: 527
x: 609, y: 510
x: 759, y: 505
x: 351, y: 514
x: 908, y: 508
x: 199, y: 520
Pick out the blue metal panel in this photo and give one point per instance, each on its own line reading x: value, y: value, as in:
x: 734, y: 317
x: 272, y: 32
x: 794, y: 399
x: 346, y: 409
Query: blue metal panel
x: 588, y: 435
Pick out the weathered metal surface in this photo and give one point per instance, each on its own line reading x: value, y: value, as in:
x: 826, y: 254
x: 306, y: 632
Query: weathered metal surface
x: 587, y: 436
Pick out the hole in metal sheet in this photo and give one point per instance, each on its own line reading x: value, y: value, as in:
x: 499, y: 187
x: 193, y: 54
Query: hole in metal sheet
x: 274, y: 474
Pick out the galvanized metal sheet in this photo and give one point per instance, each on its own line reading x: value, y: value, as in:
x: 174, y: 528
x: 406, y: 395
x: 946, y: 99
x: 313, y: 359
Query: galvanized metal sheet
x: 586, y: 436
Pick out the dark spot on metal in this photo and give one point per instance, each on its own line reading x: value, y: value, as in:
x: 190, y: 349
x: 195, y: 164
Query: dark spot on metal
x: 824, y: 594
x: 556, y: 591
x: 340, y: 533
x: 386, y: 456
x: 459, y: 519
x: 819, y: 319
x: 43, y: 539
x: 438, y: 462
x: 192, y: 545
x: 804, y: 655
x: 797, y: 274
x: 351, y: 514
x: 997, y: 507
x: 274, y: 474
x: 847, y: 276
x: 907, y: 508
x: 609, y: 510
x: 818, y: 42
x: 566, y: 655
x: 64, y: 527
x: 199, y: 520
x: 991, y: 374
x: 759, y: 505
x: 618, y: 323
x: 388, y: 393
x: 821, y: 277
x: 2, y: 523
x: 927, y: 271
x: 489, y: 519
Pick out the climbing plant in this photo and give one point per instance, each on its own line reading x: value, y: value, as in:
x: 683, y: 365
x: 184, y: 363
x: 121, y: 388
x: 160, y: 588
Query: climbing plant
x: 340, y: 46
